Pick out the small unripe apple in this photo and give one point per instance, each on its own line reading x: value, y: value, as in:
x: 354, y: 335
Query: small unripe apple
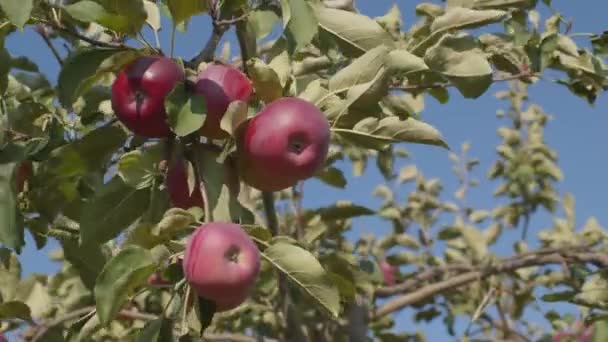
x: 221, y: 264
x: 285, y: 143
x: 179, y: 191
x: 388, y: 272
x: 23, y: 174
x: 139, y: 92
x: 220, y: 85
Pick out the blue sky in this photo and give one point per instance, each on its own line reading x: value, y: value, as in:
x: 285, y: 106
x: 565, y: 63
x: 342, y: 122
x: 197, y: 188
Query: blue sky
x: 576, y: 132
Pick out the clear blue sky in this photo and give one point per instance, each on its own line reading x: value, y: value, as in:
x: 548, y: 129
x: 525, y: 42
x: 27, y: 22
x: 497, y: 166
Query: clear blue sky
x: 577, y: 133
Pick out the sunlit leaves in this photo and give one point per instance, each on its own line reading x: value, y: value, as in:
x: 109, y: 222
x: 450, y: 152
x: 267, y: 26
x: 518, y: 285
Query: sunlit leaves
x: 377, y: 134
x: 303, y: 269
x: 127, y: 16
x: 357, y: 33
x: 299, y: 20
x: 459, y: 59
x: 186, y: 111
x: 17, y: 11
x: 182, y: 10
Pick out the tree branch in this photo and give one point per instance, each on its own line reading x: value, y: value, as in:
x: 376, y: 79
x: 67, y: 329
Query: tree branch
x: 542, y: 257
x: 134, y: 315
x: 219, y: 28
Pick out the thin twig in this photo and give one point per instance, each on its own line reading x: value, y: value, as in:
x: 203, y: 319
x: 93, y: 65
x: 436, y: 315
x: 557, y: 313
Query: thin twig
x: 270, y: 212
x: 48, y: 43
x: 80, y: 36
x: 574, y: 254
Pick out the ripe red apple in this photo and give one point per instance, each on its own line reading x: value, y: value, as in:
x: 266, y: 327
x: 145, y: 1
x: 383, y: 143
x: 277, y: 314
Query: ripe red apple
x: 179, y: 191
x: 139, y: 92
x: 221, y: 263
x: 23, y: 174
x: 3, y: 338
x: 284, y: 143
x: 389, y: 273
x: 220, y: 85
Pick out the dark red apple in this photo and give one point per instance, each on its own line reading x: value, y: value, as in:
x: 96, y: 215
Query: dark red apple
x: 179, y: 191
x: 388, y: 272
x: 220, y: 85
x: 23, y: 174
x: 221, y: 263
x: 139, y: 92
x: 284, y: 143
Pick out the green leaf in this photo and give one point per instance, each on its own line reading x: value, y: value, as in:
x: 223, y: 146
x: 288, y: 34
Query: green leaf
x: 183, y: 10
x: 152, y: 15
x: 11, y: 232
x: 265, y: 80
x: 114, y: 208
x: 186, y: 111
x: 379, y: 133
x: 79, y: 71
x: 88, y: 260
x: 358, y: 32
x: 301, y: 267
x: 404, y: 62
x: 343, y: 210
x: 222, y: 199
x: 235, y: 115
x: 17, y: 11
x: 449, y: 233
x: 332, y: 176
x: 15, y: 309
x: 562, y: 296
x: 129, y: 269
x: 138, y: 168
x: 5, y: 68
x: 87, y: 154
x: 125, y: 16
x: 301, y: 27
x: 263, y: 22
x: 86, y: 11
x: 458, y: 18
x: 460, y: 60
x: 158, y: 330
x: 362, y: 70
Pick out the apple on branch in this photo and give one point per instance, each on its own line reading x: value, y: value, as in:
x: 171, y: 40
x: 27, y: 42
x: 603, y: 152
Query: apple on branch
x: 285, y: 143
x: 221, y: 264
x: 139, y: 92
x: 220, y: 85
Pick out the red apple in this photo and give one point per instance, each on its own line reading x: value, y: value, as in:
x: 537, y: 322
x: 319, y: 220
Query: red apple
x: 3, y: 338
x: 179, y: 191
x: 220, y: 85
x: 139, y: 92
x: 284, y: 143
x: 221, y: 263
x: 389, y: 273
x: 23, y: 174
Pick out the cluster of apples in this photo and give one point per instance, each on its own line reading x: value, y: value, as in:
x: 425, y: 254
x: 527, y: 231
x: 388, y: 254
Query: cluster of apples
x: 287, y: 141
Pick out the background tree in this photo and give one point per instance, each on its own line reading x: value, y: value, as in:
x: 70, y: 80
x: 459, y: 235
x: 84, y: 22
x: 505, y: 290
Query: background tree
x: 79, y: 168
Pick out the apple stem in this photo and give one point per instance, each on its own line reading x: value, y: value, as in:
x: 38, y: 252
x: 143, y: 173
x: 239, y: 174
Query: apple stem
x: 270, y: 212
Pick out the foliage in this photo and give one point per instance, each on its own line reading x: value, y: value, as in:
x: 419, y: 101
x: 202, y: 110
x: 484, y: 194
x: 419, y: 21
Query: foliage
x: 99, y: 191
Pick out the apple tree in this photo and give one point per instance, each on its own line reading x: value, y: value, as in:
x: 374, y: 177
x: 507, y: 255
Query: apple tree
x: 174, y: 185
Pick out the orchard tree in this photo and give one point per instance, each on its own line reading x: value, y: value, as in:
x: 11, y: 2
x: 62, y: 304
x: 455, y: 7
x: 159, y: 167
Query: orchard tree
x: 174, y: 184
